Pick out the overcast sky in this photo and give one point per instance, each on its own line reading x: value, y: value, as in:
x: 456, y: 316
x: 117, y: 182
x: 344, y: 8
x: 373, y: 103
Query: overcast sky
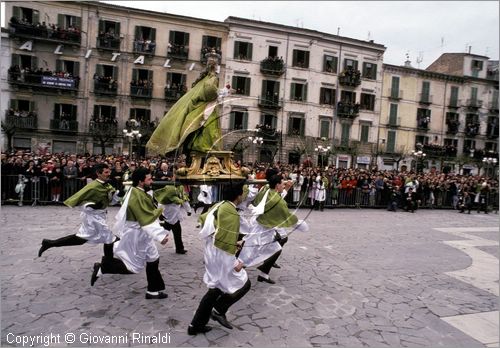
x: 419, y: 28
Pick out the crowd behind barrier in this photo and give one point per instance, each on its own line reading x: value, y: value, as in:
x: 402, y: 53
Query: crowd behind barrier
x: 51, y: 178
x: 22, y: 26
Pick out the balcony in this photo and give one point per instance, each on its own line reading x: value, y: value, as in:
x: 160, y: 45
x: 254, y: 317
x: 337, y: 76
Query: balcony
x: 147, y: 47
x: 173, y: 94
x: 454, y: 103
x: 432, y: 150
x: 63, y: 126
x: 350, y: 77
x: 46, y: 82
x: 107, y: 42
x: 47, y: 34
x: 394, y: 122
x: 272, y: 66
x: 492, y: 130
x: 141, y: 92
x: 493, y: 106
x: 472, y: 129
x: 106, y: 88
x: 22, y: 121
x: 425, y: 99
x: 452, y: 126
x: 394, y: 94
x: 177, y: 52
x: 270, y: 102
x: 347, y: 110
x: 473, y: 103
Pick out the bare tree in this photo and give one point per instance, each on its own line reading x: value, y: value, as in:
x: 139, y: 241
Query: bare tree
x: 103, y: 131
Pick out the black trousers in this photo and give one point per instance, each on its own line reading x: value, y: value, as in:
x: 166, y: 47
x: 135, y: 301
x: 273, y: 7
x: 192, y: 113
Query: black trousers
x: 216, y: 299
x: 153, y: 275
x: 177, y: 232
x: 73, y: 239
x: 270, y: 261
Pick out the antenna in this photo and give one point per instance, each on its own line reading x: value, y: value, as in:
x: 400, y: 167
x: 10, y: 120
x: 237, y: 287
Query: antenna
x: 338, y: 31
x: 368, y: 39
x: 420, y: 58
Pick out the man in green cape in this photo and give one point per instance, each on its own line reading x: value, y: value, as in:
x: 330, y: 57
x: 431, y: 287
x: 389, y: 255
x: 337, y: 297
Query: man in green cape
x: 93, y: 199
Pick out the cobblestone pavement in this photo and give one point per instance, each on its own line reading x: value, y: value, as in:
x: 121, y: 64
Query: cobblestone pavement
x: 358, y: 278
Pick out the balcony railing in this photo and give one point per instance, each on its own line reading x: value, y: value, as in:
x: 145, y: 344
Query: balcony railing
x: 439, y: 150
x: 141, y: 92
x: 493, y: 106
x: 270, y: 66
x: 173, y: 94
x: 472, y: 129
x: 108, y: 43
x: 347, y: 110
x: 394, y: 122
x: 63, y: 125
x: 271, y: 102
x: 145, y: 47
x: 44, y: 81
x: 181, y: 53
x: 454, y: 103
x: 474, y: 103
x: 30, y: 31
x: 350, y: 77
x: 21, y: 122
x: 105, y: 88
x: 425, y: 98
x: 453, y: 126
x: 395, y: 93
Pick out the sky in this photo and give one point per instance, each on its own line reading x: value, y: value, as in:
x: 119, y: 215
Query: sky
x: 422, y: 29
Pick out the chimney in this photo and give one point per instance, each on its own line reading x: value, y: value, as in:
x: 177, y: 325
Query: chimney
x: 408, y: 61
x: 470, y: 48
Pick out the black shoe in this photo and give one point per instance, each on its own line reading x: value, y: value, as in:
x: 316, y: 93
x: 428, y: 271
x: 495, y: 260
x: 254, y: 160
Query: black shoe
x: 183, y: 251
x: 221, y: 318
x: 160, y: 296
x: 276, y: 265
x: 268, y: 280
x: 196, y: 330
x: 94, y: 277
x: 45, y: 246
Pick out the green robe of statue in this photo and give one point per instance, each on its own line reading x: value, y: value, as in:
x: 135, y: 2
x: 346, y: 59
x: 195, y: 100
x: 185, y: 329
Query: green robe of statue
x: 94, y: 192
x: 185, y: 124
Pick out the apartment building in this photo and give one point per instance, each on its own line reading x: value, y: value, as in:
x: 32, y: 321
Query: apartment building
x: 449, y: 111
x: 79, y: 71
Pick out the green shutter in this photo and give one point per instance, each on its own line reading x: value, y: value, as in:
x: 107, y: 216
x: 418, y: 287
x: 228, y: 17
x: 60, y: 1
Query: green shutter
x: 115, y: 73
x: 186, y: 39
x: 425, y: 90
x: 74, y: 112
x: 218, y: 43
x: 32, y: 106
x: 135, y: 74
x: 99, y: 70
x: 132, y: 114
x: 365, y: 129
x: 150, y: 75
x: 171, y: 36
x: 355, y: 65
x: 473, y: 93
x: 304, y: 92
x: 16, y: 12
x: 325, y: 60
x: 57, y: 111
x: 454, y: 96
x: 59, y: 65
x: 346, y: 129
x: 152, y: 35
x: 183, y: 79
x: 302, y: 126
x: 36, y: 17
x: 306, y: 59
x: 76, y: 69
x: 325, y: 129
x: 295, y: 57
x: 117, y: 29
x: 102, y: 26
x: 244, y: 122
x: 60, y: 21
x: 138, y: 32
x: 34, y: 62
x: 16, y: 60
x: 14, y: 104
x: 263, y: 92
x: 231, y: 120
x: 247, y: 86
x: 393, y: 114
x: 292, y: 91
x: 97, y: 110
x: 391, y: 141
x: 274, y: 121
x: 236, y: 50
x: 335, y: 64
x: 249, y: 50
x: 78, y: 22
x: 113, y: 112
x: 204, y: 41
x: 395, y: 87
x: 276, y: 88
x: 374, y: 71
x: 233, y: 83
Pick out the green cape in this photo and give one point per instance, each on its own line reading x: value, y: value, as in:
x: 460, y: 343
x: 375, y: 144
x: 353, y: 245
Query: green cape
x: 227, y: 225
x: 141, y: 208
x: 94, y: 192
x: 276, y: 213
x: 185, y: 118
x: 169, y: 194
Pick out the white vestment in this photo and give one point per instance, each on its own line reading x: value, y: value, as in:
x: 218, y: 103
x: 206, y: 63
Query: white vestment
x: 94, y: 227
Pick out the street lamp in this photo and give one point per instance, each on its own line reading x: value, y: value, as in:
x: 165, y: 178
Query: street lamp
x: 322, y: 150
x: 420, y: 156
x: 489, y: 161
x: 131, y: 135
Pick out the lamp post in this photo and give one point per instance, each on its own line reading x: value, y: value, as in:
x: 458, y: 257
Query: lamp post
x: 131, y: 134
x: 322, y: 150
x: 490, y: 161
x: 419, y: 156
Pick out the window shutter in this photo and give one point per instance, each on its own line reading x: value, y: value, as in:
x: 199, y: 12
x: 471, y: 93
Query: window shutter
x: 186, y: 39
x: 234, y: 82
x: 231, y: 120
x: 97, y: 110
x: 115, y: 73
x: 150, y: 75
x: 32, y: 106
x: 59, y: 65
x: 276, y: 89
x: 374, y: 71
x: 345, y: 63
x: 138, y: 32
x: 113, y: 112
x: 36, y: 17
x: 325, y: 61
x: 60, y: 21
x: 152, y: 35
x: 425, y: 88
x: 395, y: 86
x: 345, y: 133
x: 292, y: 91
x: 295, y: 57
x: 218, y: 43
x: 117, y: 29
x: 274, y: 121
x: 135, y: 74
x: 14, y: 104
x: 473, y: 93
x: 16, y: 12
x: 393, y: 115
x: 204, y: 41
x: 171, y: 37
x: 355, y: 65
x: 304, y: 92
x: 263, y: 92
x: 78, y: 22
x: 247, y: 86
x: 183, y: 79
x: 454, y: 96
x: 16, y: 60
x: 306, y: 59
x: 34, y: 62
x: 132, y: 114
x: 99, y: 70
x: 244, y: 122
x: 102, y: 26
x: 391, y: 140
x: 302, y: 126
x: 57, y: 111
x: 365, y: 129
x: 74, y: 112
x: 148, y: 115
x: 236, y: 49
x: 249, y: 51
x: 76, y: 69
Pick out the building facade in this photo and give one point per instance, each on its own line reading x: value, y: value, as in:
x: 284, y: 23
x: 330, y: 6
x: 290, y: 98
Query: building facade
x: 448, y: 111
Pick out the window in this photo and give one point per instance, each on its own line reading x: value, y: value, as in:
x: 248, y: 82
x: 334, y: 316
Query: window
x: 345, y: 134
x: 176, y: 81
x: 365, y: 133
x: 241, y: 85
x: 66, y: 112
x: 425, y: 95
x: 273, y: 51
x: 395, y: 87
x: 327, y: 96
x: 104, y: 113
x: 477, y: 65
x: 393, y: 115
x: 68, y: 66
x: 143, y: 116
x: 270, y: 90
x: 367, y: 101
x: 296, y: 124
x: 209, y: 43
x: 473, y: 94
x: 269, y: 121
x: 350, y: 63
x: 451, y: 142
x: 423, y: 118
x: 26, y: 15
x: 490, y: 146
x: 238, y: 120
x: 348, y: 97
x: 145, y: 39
x: 471, y: 118
x: 22, y: 106
x: 391, y: 142
x: 25, y: 61
x: 421, y: 139
x: 324, y: 127
x: 298, y: 92
x: 469, y: 145
x: 300, y: 59
x: 142, y: 83
x: 109, y: 29
x: 330, y: 64
x: 105, y: 78
x: 67, y: 21
x: 370, y: 71
x: 243, y: 50
x: 454, y: 96
x: 178, y: 38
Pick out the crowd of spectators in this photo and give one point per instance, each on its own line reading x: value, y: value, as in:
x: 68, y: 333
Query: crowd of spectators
x: 177, y: 50
x: 273, y: 63
x: 141, y: 45
x: 343, y: 186
x: 21, y: 113
x: 105, y: 83
x: 350, y: 76
x: 29, y: 75
x: 50, y: 31
x: 141, y: 87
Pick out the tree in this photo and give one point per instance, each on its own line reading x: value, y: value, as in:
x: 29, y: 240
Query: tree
x: 103, y: 131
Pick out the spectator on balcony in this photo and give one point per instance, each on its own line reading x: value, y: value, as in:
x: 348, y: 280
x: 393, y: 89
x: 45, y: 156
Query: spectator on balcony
x: 139, y: 45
